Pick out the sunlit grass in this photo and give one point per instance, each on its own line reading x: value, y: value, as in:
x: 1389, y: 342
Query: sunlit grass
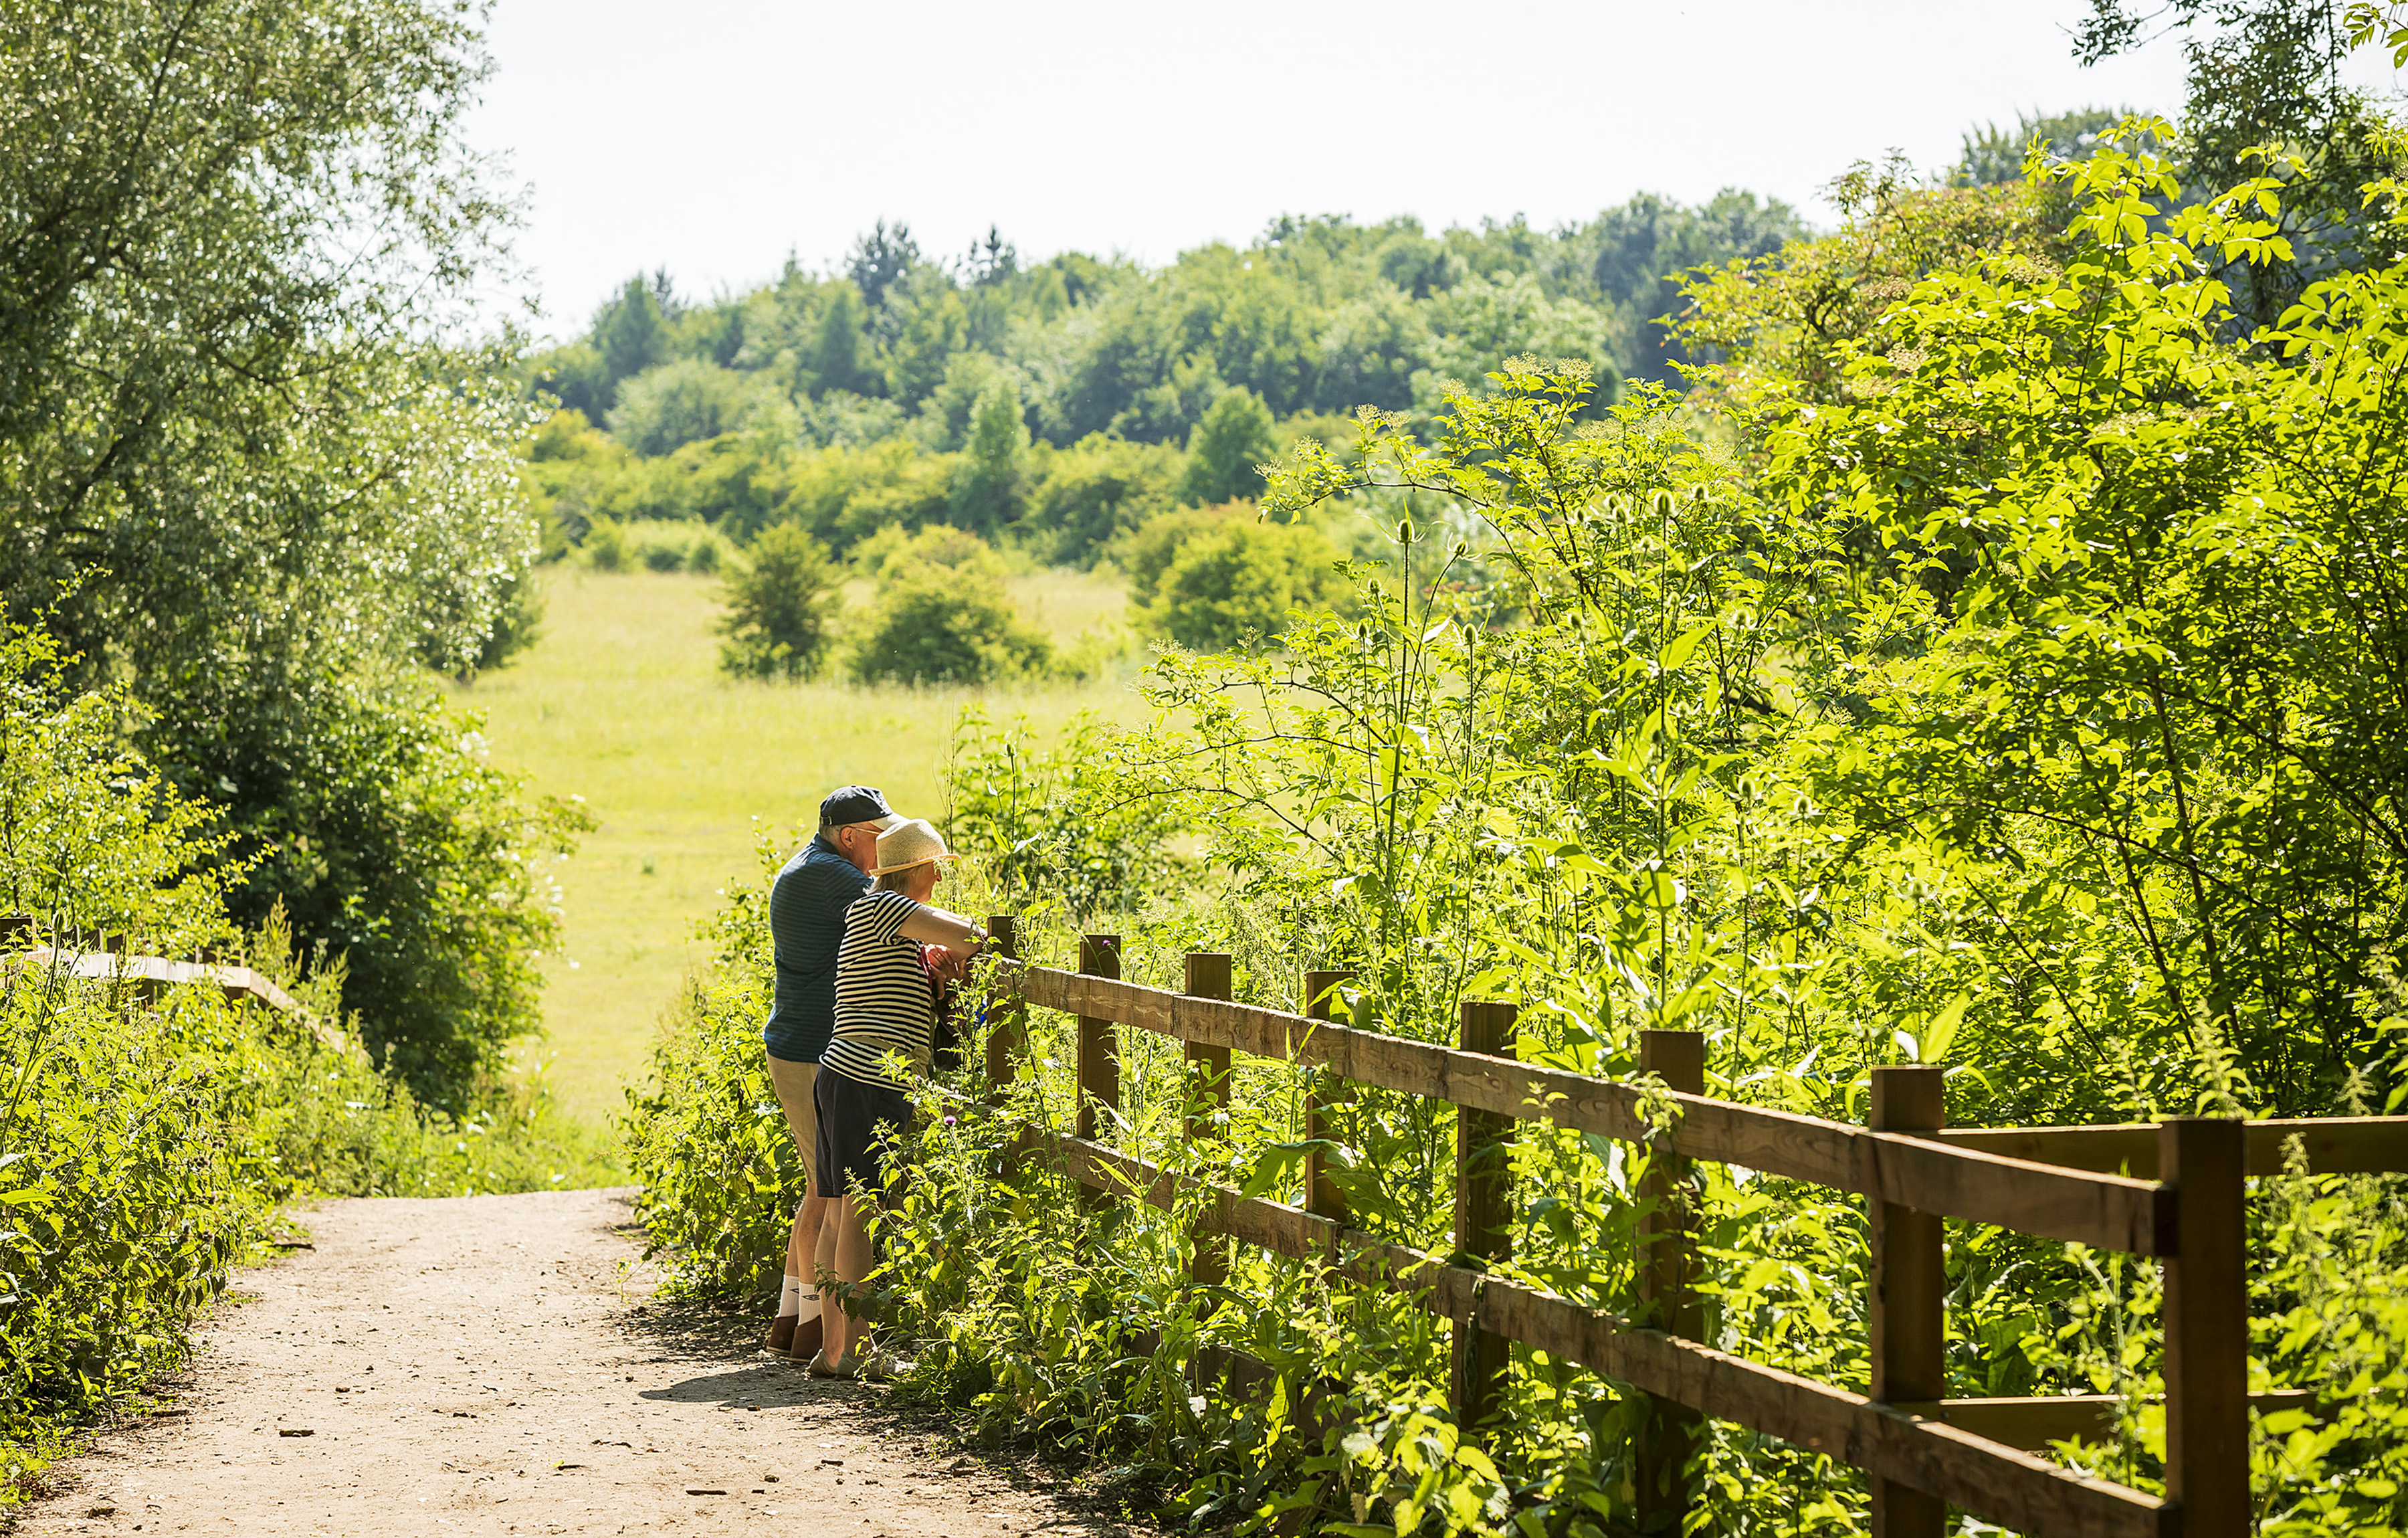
x: 621, y: 702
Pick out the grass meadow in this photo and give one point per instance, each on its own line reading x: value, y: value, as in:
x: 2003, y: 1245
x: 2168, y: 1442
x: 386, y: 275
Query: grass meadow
x: 621, y: 701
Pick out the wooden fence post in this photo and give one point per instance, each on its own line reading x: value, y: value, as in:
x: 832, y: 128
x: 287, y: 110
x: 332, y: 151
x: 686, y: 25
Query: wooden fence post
x: 1100, y: 1049
x: 1484, y: 1219
x: 2207, y: 1326
x: 1910, y: 1281
x: 1007, y: 1016
x: 1667, y: 1274
x: 1207, y: 977
x: 1322, y: 1197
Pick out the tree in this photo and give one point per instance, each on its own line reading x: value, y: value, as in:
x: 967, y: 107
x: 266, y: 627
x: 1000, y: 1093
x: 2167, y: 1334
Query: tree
x: 632, y: 335
x: 879, y: 259
x: 684, y: 402
x: 2265, y: 95
x: 781, y: 605
x: 1235, y: 436
x: 232, y: 475
x: 838, y: 355
x: 1097, y: 490
x: 1992, y: 157
x: 990, y: 490
x: 1644, y: 248
x: 2164, y: 604
x: 1481, y: 323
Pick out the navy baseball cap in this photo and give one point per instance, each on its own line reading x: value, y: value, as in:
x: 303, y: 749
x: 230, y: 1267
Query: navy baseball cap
x: 857, y: 804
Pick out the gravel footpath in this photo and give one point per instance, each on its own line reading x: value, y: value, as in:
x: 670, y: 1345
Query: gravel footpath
x: 484, y: 1365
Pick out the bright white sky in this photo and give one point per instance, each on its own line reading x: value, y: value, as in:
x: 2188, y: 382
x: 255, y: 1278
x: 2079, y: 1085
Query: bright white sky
x: 715, y: 135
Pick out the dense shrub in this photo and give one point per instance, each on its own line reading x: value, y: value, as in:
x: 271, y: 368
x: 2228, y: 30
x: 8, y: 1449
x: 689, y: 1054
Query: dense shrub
x: 1095, y: 491
x: 391, y: 840
x: 1242, y: 578
x: 2051, y: 795
x: 942, y: 616
x: 780, y: 606
x: 668, y: 407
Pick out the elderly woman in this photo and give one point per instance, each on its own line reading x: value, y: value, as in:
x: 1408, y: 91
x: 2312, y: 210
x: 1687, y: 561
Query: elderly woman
x: 885, y: 1009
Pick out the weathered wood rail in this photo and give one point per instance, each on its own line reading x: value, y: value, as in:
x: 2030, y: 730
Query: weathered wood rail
x: 2173, y: 1191
x: 151, y: 976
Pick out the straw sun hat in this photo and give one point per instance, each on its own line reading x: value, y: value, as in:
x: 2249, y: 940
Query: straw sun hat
x: 907, y: 844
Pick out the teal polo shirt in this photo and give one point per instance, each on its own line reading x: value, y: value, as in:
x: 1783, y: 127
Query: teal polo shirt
x: 806, y: 906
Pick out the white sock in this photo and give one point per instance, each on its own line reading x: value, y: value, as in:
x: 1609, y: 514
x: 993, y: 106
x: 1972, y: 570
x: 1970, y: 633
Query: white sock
x: 786, y: 1298
x: 809, y: 1307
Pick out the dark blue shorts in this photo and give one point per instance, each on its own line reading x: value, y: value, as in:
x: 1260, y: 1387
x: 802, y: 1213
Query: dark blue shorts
x: 859, y: 1122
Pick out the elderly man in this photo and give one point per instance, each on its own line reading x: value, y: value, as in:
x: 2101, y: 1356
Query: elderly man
x: 806, y: 909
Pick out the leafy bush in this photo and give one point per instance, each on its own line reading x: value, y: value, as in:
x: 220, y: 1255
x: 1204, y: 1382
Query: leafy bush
x: 1095, y: 491
x: 665, y: 407
x: 607, y: 548
x: 393, y: 843
x: 1241, y: 579
x: 1056, y: 825
x: 942, y: 616
x: 780, y: 606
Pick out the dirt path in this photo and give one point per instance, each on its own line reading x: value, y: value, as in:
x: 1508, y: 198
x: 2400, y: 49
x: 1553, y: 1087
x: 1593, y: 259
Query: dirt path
x: 475, y: 1366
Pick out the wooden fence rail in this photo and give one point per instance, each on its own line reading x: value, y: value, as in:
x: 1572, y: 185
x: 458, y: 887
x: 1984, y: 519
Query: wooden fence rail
x: 2171, y: 1190
x: 149, y: 976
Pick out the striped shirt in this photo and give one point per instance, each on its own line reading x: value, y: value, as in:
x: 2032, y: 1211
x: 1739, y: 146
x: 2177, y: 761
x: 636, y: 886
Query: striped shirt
x: 882, y: 1002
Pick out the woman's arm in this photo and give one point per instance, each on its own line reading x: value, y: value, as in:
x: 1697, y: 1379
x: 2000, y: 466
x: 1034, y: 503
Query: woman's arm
x: 936, y: 927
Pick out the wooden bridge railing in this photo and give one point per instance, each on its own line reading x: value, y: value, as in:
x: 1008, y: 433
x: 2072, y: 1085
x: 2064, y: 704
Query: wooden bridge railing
x: 106, y: 959
x: 2183, y: 1205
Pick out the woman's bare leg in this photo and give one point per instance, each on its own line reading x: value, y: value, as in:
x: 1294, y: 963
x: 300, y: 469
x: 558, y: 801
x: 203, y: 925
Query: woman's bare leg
x: 848, y: 1237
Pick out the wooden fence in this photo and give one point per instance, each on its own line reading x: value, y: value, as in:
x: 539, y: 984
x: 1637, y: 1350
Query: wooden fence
x: 2182, y: 1202
x: 104, y: 958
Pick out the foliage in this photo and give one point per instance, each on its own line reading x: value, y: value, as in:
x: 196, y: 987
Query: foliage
x: 1993, y: 157
x: 1228, y: 445
x: 1317, y: 316
x: 684, y: 401
x: 393, y: 843
x: 1059, y: 830
x: 1782, y: 318
x: 941, y: 617
x: 2169, y: 564
x: 1240, y: 578
x: 1097, y: 490
x: 2265, y: 98
x: 780, y: 606
x: 990, y: 490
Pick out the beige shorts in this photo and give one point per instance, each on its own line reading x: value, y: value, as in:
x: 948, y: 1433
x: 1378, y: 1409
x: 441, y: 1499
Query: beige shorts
x: 794, y: 1082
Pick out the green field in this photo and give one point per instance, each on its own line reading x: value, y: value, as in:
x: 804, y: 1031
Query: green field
x: 621, y: 702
